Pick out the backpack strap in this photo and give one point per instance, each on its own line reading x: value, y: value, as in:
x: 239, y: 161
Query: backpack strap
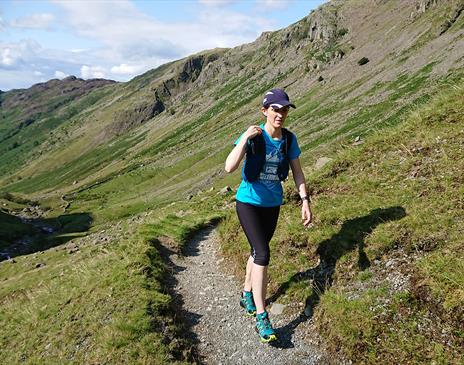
x: 283, y: 168
x: 288, y: 139
x: 255, y: 158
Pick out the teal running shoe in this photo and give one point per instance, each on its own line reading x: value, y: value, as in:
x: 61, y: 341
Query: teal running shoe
x: 247, y: 302
x: 264, y: 328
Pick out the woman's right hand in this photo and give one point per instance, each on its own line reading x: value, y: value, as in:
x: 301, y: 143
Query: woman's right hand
x: 252, y: 131
x: 236, y: 155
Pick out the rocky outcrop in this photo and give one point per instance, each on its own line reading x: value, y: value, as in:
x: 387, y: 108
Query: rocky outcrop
x: 196, y: 67
x: 161, y: 92
x: 322, y: 26
x: 423, y: 5
x: 448, y: 23
x: 137, y: 115
x: 191, y: 69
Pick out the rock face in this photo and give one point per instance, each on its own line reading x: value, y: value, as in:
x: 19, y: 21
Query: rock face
x: 424, y: 5
x: 162, y: 93
x: 138, y: 114
x: 192, y: 68
x: 322, y: 25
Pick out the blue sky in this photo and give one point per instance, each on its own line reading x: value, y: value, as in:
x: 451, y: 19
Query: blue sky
x: 41, y: 40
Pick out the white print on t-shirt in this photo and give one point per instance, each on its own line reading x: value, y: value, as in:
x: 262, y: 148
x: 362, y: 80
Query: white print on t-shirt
x: 269, y: 172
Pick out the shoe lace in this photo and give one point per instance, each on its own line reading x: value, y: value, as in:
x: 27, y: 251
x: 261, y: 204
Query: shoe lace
x: 249, y: 301
x: 264, y: 324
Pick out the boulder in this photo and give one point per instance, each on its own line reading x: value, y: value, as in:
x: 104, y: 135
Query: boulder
x: 277, y: 309
x: 358, y: 141
x: 321, y: 162
x: 363, y: 61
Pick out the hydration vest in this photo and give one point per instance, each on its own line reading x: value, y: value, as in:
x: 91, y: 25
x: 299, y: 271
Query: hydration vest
x: 256, y: 157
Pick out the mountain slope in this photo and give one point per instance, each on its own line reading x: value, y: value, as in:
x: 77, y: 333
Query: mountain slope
x: 204, y: 100
x: 123, y: 158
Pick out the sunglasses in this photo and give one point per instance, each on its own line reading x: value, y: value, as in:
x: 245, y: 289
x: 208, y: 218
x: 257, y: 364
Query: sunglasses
x: 285, y: 109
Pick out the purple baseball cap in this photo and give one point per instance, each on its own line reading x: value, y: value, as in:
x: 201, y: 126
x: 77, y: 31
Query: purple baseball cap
x: 277, y: 98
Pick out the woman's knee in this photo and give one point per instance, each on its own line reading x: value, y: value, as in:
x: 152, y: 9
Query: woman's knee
x: 262, y: 258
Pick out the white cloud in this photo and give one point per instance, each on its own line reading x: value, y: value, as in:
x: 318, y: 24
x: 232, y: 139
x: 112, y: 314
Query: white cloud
x: 124, y: 41
x: 7, y: 58
x: 13, y: 54
x: 60, y: 75
x: 125, y: 69
x: 29, y: 63
x: 130, y: 37
x: 92, y: 72
x: 34, y: 21
x: 273, y: 4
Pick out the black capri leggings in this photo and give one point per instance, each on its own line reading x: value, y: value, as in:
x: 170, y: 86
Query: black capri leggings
x: 259, y: 224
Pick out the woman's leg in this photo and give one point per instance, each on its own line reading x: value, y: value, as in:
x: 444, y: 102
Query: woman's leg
x: 259, y: 285
x: 259, y: 273
x: 259, y: 225
x: 249, y: 268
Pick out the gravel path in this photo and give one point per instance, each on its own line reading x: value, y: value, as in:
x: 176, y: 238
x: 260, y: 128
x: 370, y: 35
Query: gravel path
x: 218, y: 325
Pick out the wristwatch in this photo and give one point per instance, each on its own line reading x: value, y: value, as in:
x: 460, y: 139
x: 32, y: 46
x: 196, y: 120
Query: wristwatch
x: 306, y: 198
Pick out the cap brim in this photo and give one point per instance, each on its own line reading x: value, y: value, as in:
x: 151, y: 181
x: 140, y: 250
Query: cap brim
x: 282, y: 104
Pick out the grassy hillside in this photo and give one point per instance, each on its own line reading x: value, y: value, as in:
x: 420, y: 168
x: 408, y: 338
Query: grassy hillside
x: 102, y: 298
x: 381, y: 270
x: 167, y: 131
x: 115, y: 167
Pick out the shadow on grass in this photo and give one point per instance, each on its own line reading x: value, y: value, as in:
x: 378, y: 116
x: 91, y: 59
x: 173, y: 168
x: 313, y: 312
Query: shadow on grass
x: 350, y: 237
x: 21, y: 236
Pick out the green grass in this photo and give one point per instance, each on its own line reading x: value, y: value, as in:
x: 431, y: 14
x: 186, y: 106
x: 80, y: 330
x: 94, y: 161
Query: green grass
x: 91, y: 322
x: 64, y: 175
x: 372, y: 201
x: 27, y: 133
x: 109, y: 302
x: 401, y: 191
x: 364, y: 325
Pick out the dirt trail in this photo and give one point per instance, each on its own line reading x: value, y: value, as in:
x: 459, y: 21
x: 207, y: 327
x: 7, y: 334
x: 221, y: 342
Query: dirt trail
x: 223, y: 334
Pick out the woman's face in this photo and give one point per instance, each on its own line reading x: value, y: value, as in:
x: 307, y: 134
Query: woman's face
x: 276, y: 117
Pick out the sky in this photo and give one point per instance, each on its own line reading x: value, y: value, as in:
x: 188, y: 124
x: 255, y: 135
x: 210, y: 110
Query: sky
x: 119, y: 39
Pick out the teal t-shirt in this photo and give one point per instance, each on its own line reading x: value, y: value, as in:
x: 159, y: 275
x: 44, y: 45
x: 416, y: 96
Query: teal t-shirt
x: 267, y: 191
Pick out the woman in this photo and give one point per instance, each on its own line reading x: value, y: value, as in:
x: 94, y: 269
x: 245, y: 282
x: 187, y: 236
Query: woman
x: 269, y: 149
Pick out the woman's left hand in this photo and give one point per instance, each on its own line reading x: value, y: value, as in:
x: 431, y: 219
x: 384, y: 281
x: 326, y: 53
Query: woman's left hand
x: 306, y: 214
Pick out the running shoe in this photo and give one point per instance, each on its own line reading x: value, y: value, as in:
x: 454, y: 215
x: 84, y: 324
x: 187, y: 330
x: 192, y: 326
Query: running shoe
x: 247, y: 302
x: 264, y: 328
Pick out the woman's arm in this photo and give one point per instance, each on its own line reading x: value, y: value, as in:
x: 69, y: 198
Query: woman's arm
x: 300, y: 183
x: 236, y: 155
